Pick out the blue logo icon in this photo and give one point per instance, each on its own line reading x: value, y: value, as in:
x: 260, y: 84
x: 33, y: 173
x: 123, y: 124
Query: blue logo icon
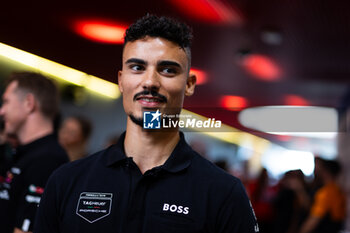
x: 151, y: 120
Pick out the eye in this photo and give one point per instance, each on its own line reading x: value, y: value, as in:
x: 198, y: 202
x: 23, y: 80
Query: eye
x: 136, y: 67
x: 168, y: 71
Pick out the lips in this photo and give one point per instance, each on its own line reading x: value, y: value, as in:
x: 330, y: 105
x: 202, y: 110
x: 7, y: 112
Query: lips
x: 149, y: 101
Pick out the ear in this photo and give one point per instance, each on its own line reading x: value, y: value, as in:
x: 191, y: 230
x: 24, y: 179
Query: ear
x: 190, y: 85
x: 30, y: 103
x: 120, y: 83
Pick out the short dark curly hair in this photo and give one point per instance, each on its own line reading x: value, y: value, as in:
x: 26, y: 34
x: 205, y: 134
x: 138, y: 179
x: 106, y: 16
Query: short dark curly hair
x: 164, y: 27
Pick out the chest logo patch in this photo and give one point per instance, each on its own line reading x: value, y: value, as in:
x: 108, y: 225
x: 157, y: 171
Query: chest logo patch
x: 94, y: 206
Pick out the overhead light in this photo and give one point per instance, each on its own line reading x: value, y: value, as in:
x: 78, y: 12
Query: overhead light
x: 261, y: 67
x: 233, y: 103
x: 317, y: 122
x: 100, y: 31
x: 60, y: 72
x: 212, y: 11
x: 200, y: 75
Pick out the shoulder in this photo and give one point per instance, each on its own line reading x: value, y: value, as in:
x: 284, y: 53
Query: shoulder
x: 210, y: 174
x: 328, y: 192
x: 43, y: 159
x: 207, y: 168
x: 50, y: 150
x: 226, y: 196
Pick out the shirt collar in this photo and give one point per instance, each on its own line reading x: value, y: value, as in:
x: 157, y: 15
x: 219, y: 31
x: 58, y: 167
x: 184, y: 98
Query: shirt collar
x: 178, y: 160
x: 116, y: 152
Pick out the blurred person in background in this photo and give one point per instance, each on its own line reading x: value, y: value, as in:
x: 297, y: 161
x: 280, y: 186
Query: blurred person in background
x: 30, y: 103
x: 327, y: 212
x: 317, y: 181
x: 7, y: 146
x: 292, y: 202
x: 344, y: 150
x: 74, y: 136
x: 262, y: 195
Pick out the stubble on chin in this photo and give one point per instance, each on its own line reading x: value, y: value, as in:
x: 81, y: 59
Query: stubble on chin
x: 137, y: 120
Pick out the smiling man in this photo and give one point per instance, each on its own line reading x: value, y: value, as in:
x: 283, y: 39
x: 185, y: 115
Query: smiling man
x: 151, y: 180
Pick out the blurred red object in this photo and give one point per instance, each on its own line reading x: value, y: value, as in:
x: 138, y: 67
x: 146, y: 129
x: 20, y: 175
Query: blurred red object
x: 100, y: 31
x: 296, y: 100
x: 201, y: 76
x: 261, y: 67
x: 212, y: 11
x: 233, y: 103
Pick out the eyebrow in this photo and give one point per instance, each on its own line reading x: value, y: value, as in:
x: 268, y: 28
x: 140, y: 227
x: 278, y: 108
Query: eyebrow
x: 136, y: 60
x: 169, y: 63
x: 161, y: 63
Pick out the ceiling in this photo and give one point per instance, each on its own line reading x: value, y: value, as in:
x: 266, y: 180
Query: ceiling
x: 308, y: 41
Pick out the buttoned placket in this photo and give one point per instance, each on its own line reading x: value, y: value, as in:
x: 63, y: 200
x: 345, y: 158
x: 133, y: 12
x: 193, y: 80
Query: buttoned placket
x: 138, y: 190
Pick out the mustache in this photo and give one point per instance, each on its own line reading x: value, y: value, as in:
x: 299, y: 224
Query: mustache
x: 152, y: 93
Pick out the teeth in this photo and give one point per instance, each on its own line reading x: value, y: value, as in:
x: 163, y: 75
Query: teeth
x: 149, y: 100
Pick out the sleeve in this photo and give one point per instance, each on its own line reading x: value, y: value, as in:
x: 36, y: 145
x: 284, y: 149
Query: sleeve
x: 236, y: 214
x: 47, y: 217
x: 319, y: 207
x: 36, y: 177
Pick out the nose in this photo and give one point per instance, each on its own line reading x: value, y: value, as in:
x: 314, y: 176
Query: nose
x: 151, y: 80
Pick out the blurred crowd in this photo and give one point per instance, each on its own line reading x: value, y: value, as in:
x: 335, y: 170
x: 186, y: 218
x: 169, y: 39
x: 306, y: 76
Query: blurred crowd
x: 296, y: 203
x: 299, y: 205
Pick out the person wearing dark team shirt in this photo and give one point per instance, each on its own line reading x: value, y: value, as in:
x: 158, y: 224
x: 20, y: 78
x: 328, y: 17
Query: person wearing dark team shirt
x: 6, y: 151
x: 30, y: 103
x: 151, y: 180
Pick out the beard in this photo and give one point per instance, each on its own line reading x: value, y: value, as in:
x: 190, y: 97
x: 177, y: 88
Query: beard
x: 137, y: 120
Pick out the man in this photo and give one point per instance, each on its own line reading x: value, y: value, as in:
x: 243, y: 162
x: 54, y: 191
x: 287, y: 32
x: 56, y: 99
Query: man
x: 328, y: 210
x: 151, y: 180
x: 30, y: 103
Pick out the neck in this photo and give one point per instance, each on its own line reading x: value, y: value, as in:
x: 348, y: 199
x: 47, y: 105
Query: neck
x: 149, y: 148
x: 76, y: 152
x: 34, y: 128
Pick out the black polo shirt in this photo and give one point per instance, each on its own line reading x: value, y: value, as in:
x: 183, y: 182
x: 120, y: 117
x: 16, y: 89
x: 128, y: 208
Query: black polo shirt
x: 106, y: 192
x: 24, y: 184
